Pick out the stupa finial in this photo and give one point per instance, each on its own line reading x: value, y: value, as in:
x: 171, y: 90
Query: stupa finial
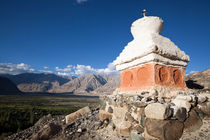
x: 144, y: 12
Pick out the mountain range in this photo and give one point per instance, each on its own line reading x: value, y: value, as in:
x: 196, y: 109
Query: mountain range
x: 89, y: 84
x: 51, y: 83
x: 7, y: 86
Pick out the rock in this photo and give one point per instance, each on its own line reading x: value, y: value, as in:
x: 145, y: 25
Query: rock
x: 76, y: 115
x: 141, y: 111
x: 79, y: 130
x: 135, y: 115
x: 110, y: 110
x: 164, y: 129
x: 193, y: 122
x: 43, y: 119
x: 205, y: 108
x: 147, y: 136
x: 136, y: 98
x: 202, y: 98
x: 123, y: 127
x: 168, y: 100
x: 103, y: 115
x: 144, y: 99
x: 139, y: 104
x: 184, y: 97
x: 180, y: 114
x: 97, y: 124
x: 119, y: 113
x: 153, y: 93
x: 194, y: 98
x: 138, y: 128
x: 102, y: 103
x: 129, y: 117
x: 157, y: 111
x: 136, y: 136
x: 182, y: 103
x: 161, y: 100
x: 47, y: 132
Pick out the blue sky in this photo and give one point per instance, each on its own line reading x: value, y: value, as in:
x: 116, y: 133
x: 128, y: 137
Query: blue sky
x: 87, y: 35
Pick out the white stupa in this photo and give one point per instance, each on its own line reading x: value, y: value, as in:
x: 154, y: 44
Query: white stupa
x: 150, y: 60
x: 148, y: 46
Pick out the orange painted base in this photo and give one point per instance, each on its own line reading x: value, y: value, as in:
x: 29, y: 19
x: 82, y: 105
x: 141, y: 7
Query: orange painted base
x: 150, y: 75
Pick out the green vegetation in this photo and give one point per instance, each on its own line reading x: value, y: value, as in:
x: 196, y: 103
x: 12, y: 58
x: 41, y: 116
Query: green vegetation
x: 18, y: 112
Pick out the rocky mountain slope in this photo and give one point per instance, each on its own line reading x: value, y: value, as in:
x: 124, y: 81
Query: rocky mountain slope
x: 7, y: 86
x: 95, y: 84
x: 34, y: 82
x: 199, y: 80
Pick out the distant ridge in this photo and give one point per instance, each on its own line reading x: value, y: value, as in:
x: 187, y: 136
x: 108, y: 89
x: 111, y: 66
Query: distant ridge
x: 37, y: 82
x: 90, y: 84
x: 7, y: 86
x: 199, y: 80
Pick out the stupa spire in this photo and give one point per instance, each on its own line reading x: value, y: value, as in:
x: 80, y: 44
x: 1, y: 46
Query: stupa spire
x: 144, y: 12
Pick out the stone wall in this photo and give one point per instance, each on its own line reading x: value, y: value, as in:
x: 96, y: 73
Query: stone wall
x: 149, y: 116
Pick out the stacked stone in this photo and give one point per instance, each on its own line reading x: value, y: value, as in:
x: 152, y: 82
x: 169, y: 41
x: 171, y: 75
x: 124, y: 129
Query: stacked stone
x: 151, y: 117
x: 153, y: 101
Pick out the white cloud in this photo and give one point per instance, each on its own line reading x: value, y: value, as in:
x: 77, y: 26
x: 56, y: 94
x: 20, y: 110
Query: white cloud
x: 68, y: 68
x: 9, y: 68
x: 81, y: 1
x: 45, y: 67
x: 63, y: 73
x: 45, y: 71
x: 85, y: 70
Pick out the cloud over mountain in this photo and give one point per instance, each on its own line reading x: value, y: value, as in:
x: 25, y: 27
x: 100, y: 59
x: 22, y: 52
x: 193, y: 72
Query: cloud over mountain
x: 9, y: 68
x: 69, y: 70
x: 86, y: 70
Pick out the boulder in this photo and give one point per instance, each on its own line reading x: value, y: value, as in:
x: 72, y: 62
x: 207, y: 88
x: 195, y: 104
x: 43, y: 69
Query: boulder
x: 43, y: 119
x: 139, y: 104
x: 184, y: 97
x: 182, y: 103
x: 193, y: 122
x: 205, y: 108
x: 136, y: 136
x: 47, y: 132
x: 76, y: 115
x: 123, y: 127
x: 110, y: 110
x: 179, y: 113
x: 119, y: 113
x: 157, y: 111
x: 202, y: 98
x: 164, y: 129
x: 103, y: 115
x: 138, y: 128
x: 153, y: 93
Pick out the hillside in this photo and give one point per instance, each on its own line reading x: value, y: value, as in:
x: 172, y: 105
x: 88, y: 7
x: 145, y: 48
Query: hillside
x: 199, y: 80
x: 90, y: 84
x: 7, y: 86
x: 37, y: 82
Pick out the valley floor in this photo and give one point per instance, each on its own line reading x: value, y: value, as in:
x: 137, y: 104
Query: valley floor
x: 18, y: 112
